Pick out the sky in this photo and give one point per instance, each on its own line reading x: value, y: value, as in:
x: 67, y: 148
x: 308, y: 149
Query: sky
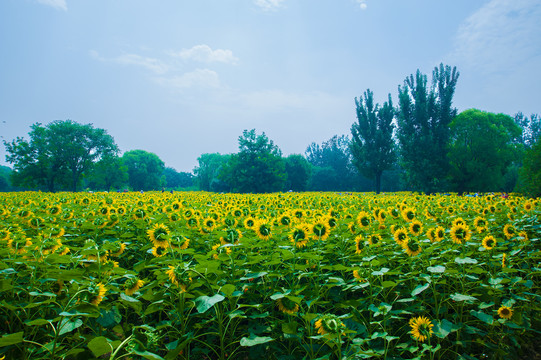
x: 181, y: 78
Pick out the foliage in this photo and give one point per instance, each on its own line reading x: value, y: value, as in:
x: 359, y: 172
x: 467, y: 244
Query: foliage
x: 5, y: 182
x: 531, y: 128
x: 290, y: 276
x: 372, y: 145
x: 110, y: 172
x: 145, y: 170
x: 258, y: 167
x: 424, y: 116
x: 298, y: 171
x: 58, y: 153
x: 481, y: 149
x: 207, y: 174
x: 530, y: 173
x: 333, y: 169
x: 174, y: 179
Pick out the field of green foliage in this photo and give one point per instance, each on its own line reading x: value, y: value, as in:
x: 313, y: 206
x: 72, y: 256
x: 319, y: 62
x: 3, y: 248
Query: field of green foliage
x: 279, y: 276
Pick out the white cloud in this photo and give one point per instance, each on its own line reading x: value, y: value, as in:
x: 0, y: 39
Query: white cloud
x: 154, y: 65
x: 362, y: 4
x: 57, y: 4
x: 269, y: 5
x: 500, y: 36
x: 199, y: 78
x: 204, y: 53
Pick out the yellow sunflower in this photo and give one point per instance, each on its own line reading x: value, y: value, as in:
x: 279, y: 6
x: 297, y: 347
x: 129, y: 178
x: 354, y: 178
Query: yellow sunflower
x: 460, y: 233
x: 363, y: 219
x: 400, y: 235
x: 421, y: 328
x: 489, y: 242
x: 132, y: 285
x: 329, y: 324
x: 416, y: 227
x: 509, y: 231
x: 408, y: 214
x: 412, y: 247
x: 263, y: 229
x: 505, y: 312
x: 320, y: 229
x: 287, y: 306
x: 97, y: 292
x: 159, y: 235
x: 480, y: 224
x: 299, y: 235
x: 359, y: 244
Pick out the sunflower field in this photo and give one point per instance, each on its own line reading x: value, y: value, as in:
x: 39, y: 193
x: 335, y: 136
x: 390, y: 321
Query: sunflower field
x: 278, y: 276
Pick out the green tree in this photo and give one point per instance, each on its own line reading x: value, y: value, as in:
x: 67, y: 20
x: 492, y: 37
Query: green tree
x: 332, y: 165
x: 108, y: 173
x: 298, y: 172
x: 372, y: 145
x: 58, y: 153
x: 207, y: 174
x: 482, y: 147
x: 530, y: 174
x: 531, y: 128
x: 174, y: 179
x: 258, y: 167
x: 423, y: 120
x: 145, y: 170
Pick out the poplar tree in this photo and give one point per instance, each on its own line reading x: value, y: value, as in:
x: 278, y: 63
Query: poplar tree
x: 372, y: 145
x: 424, y: 116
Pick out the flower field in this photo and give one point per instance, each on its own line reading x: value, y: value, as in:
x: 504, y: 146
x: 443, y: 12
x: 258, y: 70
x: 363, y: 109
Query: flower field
x: 281, y: 276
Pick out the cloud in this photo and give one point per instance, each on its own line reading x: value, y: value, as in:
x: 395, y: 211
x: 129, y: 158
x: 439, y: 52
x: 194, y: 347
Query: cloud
x: 500, y: 36
x: 154, y: 65
x: 269, y: 5
x: 57, y: 4
x: 204, y: 53
x: 199, y: 78
x: 362, y: 4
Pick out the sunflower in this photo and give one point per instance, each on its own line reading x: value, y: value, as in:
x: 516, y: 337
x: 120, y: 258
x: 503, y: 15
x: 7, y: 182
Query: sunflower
x: 287, y: 306
x: 36, y: 223
x: 180, y: 242
x: 97, y: 291
x: 298, y: 213
x: 382, y: 215
x: 159, y: 251
x: 505, y: 312
x: 458, y: 221
x: 460, y: 233
x: 421, y: 328
x: 233, y: 235
x: 320, y: 229
x: 352, y: 228
x: 374, y: 240
x: 249, y: 222
x: 504, y: 258
x: 263, y: 229
x: 431, y: 234
x: 400, y: 235
x: 132, y: 285
x: 179, y: 277
x: 528, y: 206
x: 359, y: 244
x: 363, y: 219
x: 480, y: 224
x: 489, y: 242
x: 192, y: 222
x: 509, y: 231
x: 299, y: 235
x: 440, y: 233
x: 408, y: 214
x: 54, y: 210
x: 416, y: 227
x: 523, y: 235
x: 208, y: 224
x: 358, y: 276
x: 329, y: 324
x: 119, y: 249
x: 412, y: 247
x: 159, y: 235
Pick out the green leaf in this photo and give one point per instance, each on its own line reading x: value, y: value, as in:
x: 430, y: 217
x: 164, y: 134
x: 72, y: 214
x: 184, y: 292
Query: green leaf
x: 99, y: 346
x: 254, y: 340
x: 442, y: 328
x: 252, y: 276
x: 387, y: 284
x: 148, y: 355
x: 203, y: 303
x: 228, y: 289
x: 5, y: 285
x: 11, y: 339
x: 290, y: 327
x: 466, y: 260
x: 109, y: 318
x: 128, y: 298
x: 37, y: 322
x: 419, y: 289
x: 67, y: 325
x: 483, y: 317
x: 436, y: 269
x: 461, y: 297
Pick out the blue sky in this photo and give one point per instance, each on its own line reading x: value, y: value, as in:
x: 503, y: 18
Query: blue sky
x: 180, y: 78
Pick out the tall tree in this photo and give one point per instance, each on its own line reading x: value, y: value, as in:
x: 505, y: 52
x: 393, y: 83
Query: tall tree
x: 332, y: 165
x: 207, y: 173
x: 530, y: 174
x: 107, y: 173
x: 145, y: 170
x: 372, y: 145
x: 482, y: 147
x: 60, y: 152
x: 531, y: 128
x: 298, y: 172
x: 423, y: 118
x: 174, y: 179
x: 258, y: 167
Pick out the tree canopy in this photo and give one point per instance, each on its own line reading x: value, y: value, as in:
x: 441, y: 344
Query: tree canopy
x: 482, y: 147
x: 373, y: 146
x: 58, y: 154
x: 145, y: 170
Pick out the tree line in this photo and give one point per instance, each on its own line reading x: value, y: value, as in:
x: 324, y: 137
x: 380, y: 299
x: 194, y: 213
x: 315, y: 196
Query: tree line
x: 421, y: 144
